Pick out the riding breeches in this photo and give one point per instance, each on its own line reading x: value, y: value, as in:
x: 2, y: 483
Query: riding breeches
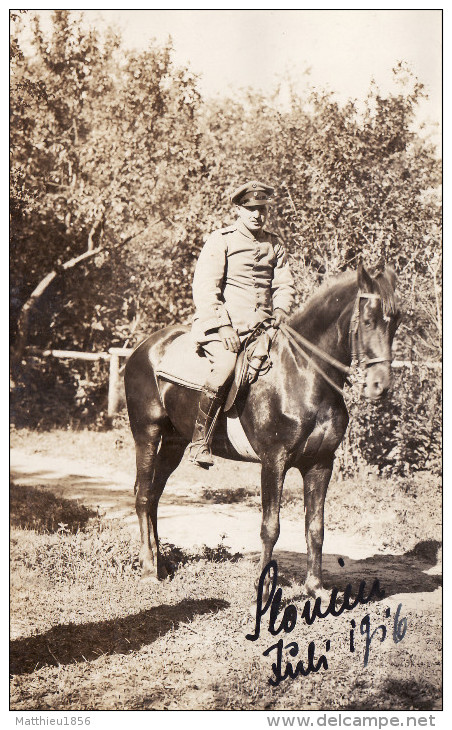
x: 222, y: 364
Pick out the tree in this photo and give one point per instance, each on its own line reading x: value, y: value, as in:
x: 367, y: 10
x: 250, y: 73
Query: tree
x: 106, y: 142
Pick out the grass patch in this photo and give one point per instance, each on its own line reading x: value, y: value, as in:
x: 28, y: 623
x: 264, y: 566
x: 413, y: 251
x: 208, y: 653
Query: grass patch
x: 88, y: 635
x: 228, y: 495
x: 113, y: 448
x: 102, y: 550
x: 68, y: 643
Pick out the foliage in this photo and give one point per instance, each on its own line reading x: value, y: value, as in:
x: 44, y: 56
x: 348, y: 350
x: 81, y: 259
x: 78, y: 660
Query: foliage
x: 118, y: 148
x: 56, y: 393
x: 228, y: 496
x: 104, y: 140
x: 399, y: 434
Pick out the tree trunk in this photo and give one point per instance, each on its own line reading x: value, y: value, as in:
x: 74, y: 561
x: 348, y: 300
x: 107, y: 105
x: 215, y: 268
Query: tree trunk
x: 23, y: 323
x: 97, y: 228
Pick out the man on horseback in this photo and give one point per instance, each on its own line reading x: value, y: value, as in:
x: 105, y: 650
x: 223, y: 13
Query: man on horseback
x: 241, y: 279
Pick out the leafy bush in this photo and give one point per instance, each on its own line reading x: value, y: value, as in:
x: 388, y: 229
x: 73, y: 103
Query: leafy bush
x: 59, y: 393
x: 121, y: 147
x: 228, y: 496
x: 401, y: 433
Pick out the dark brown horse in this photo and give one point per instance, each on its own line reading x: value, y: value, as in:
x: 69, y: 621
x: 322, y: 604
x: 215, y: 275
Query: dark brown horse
x: 294, y: 416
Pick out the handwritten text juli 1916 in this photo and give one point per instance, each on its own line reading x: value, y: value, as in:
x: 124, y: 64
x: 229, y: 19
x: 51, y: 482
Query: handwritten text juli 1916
x: 336, y: 606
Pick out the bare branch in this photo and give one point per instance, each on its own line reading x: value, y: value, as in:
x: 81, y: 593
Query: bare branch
x: 23, y: 323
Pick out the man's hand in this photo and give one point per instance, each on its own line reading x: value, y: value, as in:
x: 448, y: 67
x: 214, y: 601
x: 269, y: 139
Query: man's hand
x: 280, y: 317
x: 229, y: 338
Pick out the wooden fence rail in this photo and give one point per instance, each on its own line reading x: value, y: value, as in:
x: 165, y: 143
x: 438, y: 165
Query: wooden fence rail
x: 432, y: 365
x: 115, y: 353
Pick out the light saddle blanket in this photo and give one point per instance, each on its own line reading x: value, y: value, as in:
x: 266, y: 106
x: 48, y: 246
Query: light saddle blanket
x: 182, y: 365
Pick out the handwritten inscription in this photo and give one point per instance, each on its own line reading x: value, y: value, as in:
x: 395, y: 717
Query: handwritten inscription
x: 336, y: 606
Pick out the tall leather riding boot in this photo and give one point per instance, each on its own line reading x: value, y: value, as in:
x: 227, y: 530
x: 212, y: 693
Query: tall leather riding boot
x: 210, y: 402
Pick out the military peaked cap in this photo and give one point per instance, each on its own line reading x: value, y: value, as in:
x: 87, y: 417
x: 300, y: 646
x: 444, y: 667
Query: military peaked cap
x: 252, y: 193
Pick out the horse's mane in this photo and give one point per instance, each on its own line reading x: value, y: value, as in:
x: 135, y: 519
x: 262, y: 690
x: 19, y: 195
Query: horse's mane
x: 346, y: 285
x: 385, y: 284
x: 315, y: 305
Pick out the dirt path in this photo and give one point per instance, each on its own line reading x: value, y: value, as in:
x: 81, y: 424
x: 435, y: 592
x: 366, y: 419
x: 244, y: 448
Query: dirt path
x: 180, y: 508
x: 187, y: 520
x: 112, y: 493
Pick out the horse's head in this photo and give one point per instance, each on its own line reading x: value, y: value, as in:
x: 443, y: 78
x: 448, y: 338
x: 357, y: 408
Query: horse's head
x: 376, y: 320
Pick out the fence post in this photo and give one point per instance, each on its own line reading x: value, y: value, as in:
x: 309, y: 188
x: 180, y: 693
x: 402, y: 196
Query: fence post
x: 113, y: 385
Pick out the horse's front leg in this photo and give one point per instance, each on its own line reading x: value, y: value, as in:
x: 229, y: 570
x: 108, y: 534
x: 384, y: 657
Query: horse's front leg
x: 316, y: 480
x: 272, y: 480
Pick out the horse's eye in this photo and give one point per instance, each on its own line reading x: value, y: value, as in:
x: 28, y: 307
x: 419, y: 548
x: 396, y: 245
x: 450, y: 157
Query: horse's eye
x: 367, y: 322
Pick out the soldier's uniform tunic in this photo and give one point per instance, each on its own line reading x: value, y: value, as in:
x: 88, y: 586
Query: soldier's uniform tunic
x: 240, y: 278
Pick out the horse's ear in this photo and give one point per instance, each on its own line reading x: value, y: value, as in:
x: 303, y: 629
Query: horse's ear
x: 365, y: 281
x: 391, y: 276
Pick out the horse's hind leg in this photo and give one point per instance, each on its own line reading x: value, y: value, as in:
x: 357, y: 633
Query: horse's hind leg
x: 168, y: 459
x: 153, y: 469
x: 146, y: 452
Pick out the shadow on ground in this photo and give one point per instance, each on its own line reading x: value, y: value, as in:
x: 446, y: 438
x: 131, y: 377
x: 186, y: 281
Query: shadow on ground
x: 92, y: 491
x: 96, y: 490
x: 37, y: 508
x: 397, y: 695
x: 396, y: 573
x: 70, y: 643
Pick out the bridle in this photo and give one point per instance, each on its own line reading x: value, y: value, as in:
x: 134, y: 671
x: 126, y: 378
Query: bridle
x: 356, y: 345
x: 355, y: 334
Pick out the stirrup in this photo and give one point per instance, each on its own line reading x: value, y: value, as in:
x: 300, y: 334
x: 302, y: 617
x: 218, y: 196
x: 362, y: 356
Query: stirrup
x: 200, y: 455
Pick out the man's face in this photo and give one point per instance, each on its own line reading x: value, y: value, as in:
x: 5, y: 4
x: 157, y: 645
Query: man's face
x: 254, y: 217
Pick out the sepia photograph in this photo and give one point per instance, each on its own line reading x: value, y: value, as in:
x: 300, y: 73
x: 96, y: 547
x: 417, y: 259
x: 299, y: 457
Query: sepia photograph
x: 226, y: 364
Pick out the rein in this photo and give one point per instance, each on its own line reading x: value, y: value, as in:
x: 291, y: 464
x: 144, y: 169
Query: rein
x: 295, y: 338
x: 291, y: 334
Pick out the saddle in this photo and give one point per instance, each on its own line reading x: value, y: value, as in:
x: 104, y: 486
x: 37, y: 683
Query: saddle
x: 185, y: 365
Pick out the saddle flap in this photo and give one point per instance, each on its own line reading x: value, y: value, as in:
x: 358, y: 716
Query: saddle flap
x: 181, y: 364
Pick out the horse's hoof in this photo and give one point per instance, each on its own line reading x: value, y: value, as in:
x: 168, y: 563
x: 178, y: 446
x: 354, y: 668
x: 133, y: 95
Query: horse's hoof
x: 317, y: 592
x: 324, y: 595
x: 149, y: 578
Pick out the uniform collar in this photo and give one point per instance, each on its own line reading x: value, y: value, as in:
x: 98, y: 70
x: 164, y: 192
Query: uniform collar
x: 246, y: 232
